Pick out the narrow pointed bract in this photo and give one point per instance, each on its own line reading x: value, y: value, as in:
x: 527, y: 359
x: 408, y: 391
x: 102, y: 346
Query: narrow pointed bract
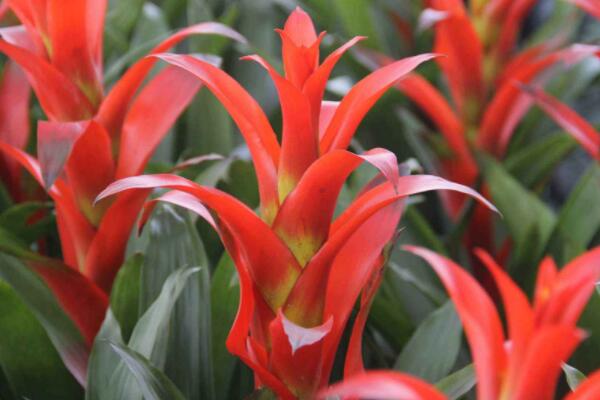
x: 526, y: 362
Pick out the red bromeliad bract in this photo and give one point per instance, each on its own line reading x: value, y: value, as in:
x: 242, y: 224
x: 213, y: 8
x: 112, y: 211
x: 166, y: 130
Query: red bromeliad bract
x: 91, y: 139
x: 301, y: 270
x: 525, y: 364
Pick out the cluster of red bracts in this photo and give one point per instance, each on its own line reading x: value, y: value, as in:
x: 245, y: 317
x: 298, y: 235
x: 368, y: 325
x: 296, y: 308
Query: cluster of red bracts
x: 301, y: 270
x: 492, y: 87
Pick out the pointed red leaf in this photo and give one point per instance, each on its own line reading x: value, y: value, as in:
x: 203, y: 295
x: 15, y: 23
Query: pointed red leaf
x: 296, y: 354
x: 304, y: 218
x: 116, y: 104
x: 361, y: 98
x: 272, y: 265
x: 299, y: 146
x: 517, y: 309
x: 69, y: 39
x: 60, y: 98
x: 480, y: 320
x: 83, y: 301
x: 354, y: 360
x: 571, y: 290
x: 249, y: 117
x: 568, y: 119
x: 14, y: 122
x: 314, y: 87
x: 457, y: 39
x: 107, y: 250
x: 384, y: 385
x: 152, y: 113
x: 590, y: 6
x: 537, y: 375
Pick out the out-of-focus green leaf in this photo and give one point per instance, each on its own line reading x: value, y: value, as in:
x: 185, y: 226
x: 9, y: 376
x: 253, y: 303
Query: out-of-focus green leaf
x: 121, y: 18
x: 261, y: 394
x: 579, y: 219
x: 39, y: 299
x: 534, y: 163
x: 357, y: 19
x: 17, y: 219
x: 225, y: 294
x: 150, y: 336
x: 432, y: 350
x: 103, y: 361
x: 125, y: 294
x: 458, y: 383
x: 574, y: 376
x: 153, y: 383
x: 527, y: 218
x: 30, y: 363
x: 174, y: 243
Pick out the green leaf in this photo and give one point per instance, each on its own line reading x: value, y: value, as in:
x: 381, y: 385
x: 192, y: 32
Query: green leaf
x: 225, y: 293
x: 153, y: 383
x: 528, y: 220
x: 32, y: 366
x: 458, y: 383
x: 150, y: 336
x: 573, y: 375
x: 39, y: 299
x: 432, y: 350
x: 357, y: 18
x: 103, y: 361
x: 534, y: 163
x: 125, y: 294
x: 17, y: 219
x: 579, y: 219
x: 174, y: 243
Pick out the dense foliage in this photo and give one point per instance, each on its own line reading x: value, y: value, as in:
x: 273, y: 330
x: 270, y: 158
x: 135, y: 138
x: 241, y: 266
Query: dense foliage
x: 212, y: 199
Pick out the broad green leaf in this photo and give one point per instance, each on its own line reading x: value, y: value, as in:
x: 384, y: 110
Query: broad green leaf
x: 121, y: 17
x: 152, y: 382
x: 574, y: 376
x: 150, y: 336
x: 225, y: 293
x: 32, y: 366
x: 528, y: 220
x: 534, y: 163
x: 458, y: 383
x: 579, y: 218
x: 60, y: 329
x: 357, y: 19
x: 125, y: 294
x: 174, y: 243
x: 432, y: 350
x: 103, y: 361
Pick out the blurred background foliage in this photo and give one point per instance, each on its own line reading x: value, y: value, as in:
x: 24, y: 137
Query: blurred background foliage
x: 170, y: 319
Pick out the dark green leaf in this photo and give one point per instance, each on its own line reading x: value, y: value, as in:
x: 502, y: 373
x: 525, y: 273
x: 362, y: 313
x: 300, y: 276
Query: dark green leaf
x: 225, y: 289
x: 37, y: 296
x: 432, y: 350
x: 30, y: 363
x: 125, y: 294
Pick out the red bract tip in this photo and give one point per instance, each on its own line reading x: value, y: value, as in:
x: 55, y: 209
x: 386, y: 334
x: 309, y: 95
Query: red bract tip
x: 300, y: 28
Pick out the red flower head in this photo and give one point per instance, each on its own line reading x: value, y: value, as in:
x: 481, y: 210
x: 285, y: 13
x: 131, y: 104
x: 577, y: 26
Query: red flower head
x: 90, y: 140
x: 301, y: 270
x: 542, y: 336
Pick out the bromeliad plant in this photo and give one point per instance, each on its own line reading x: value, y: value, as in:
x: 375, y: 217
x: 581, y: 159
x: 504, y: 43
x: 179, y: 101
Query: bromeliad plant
x: 525, y: 363
x: 91, y: 139
x: 484, y: 70
x: 301, y: 270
